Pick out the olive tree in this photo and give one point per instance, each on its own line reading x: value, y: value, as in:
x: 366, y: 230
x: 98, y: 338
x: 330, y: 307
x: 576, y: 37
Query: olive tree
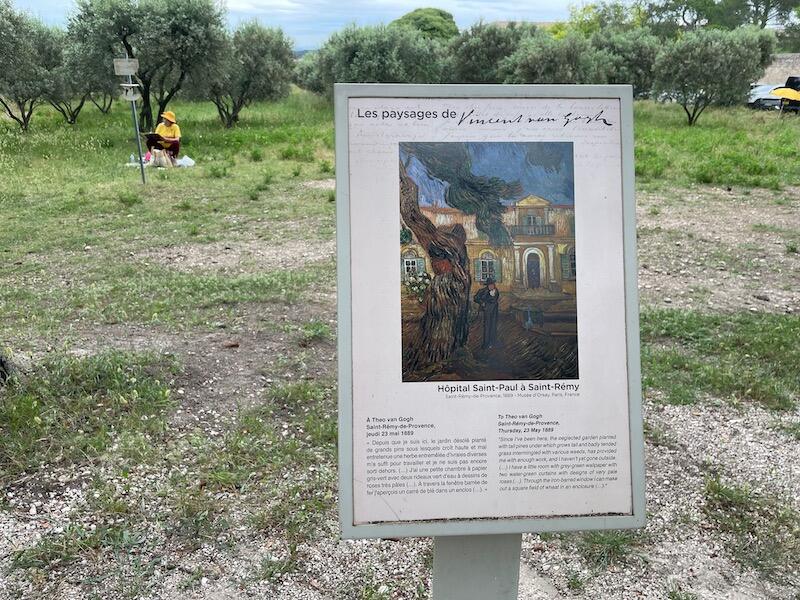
x: 171, y: 39
x: 307, y: 73
x: 25, y: 50
x: 543, y: 58
x: 378, y: 54
x: 710, y: 66
x: 476, y: 54
x: 91, y: 65
x: 256, y: 63
x: 67, y: 92
x: 632, y: 55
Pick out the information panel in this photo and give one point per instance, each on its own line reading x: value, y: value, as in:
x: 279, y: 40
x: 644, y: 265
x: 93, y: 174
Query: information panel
x: 488, y: 318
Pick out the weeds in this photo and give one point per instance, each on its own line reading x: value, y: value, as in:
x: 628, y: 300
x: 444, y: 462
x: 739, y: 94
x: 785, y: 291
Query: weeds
x: 575, y: 582
x: 217, y: 171
x: 746, y: 356
x: 303, y: 153
x: 273, y: 568
x: 267, y: 180
x: 75, y: 542
x: 71, y: 408
x: 674, y: 592
x: 602, y: 549
x: 658, y: 437
x: 762, y: 532
x: 790, y: 429
x: 314, y: 331
x: 129, y: 198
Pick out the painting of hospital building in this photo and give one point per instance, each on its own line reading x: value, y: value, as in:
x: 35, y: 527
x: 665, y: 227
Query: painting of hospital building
x: 487, y: 261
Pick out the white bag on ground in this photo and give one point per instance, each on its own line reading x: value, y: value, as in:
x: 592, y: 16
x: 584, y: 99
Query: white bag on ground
x: 184, y: 161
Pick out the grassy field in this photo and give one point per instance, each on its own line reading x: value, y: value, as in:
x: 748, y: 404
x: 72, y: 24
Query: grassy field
x: 176, y: 345
x: 70, y: 204
x: 728, y: 147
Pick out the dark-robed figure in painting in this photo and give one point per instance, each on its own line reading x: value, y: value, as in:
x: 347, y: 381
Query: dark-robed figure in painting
x: 488, y: 298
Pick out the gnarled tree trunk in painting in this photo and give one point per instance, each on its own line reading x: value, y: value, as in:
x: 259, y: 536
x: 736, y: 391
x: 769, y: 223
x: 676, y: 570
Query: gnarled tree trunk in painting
x: 445, y: 325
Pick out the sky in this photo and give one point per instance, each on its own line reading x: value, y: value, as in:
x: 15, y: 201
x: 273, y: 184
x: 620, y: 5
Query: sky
x: 310, y: 22
x: 544, y: 169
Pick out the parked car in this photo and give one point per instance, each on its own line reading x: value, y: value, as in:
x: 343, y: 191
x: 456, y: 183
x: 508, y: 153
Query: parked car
x: 761, y: 98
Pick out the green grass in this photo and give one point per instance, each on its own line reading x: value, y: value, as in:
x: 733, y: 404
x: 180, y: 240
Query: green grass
x: 70, y: 409
x: 761, y: 531
x: 790, y: 429
x: 74, y: 543
x: 727, y: 147
x: 602, y: 549
x: 76, y: 220
x: 126, y: 292
x: 674, y: 592
x: 575, y: 583
x: 314, y: 331
x: 751, y: 356
x: 658, y: 437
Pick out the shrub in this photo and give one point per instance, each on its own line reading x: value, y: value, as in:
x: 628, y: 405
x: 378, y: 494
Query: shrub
x: 307, y: 73
x: 545, y: 59
x: 373, y: 55
x: 26, y: 48
x: 475, y: 55
x: 711, y: 67
x: 256, y: 63
x: 633, y: 55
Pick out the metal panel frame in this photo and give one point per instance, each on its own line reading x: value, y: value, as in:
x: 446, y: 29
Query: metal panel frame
x: 489, y: 526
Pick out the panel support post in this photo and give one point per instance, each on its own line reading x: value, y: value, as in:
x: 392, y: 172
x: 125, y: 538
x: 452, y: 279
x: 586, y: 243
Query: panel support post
x: 476, y: 567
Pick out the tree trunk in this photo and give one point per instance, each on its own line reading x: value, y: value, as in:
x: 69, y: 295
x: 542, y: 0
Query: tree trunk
x: 69, y: 111
x: 104, y: 105
x: 146, y: 112
x: 445, y: 325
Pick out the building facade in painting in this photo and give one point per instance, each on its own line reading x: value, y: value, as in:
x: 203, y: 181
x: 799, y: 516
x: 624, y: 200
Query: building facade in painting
x: 535, y: 273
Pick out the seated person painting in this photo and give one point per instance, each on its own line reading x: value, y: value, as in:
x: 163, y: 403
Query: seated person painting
x: 167, y: 136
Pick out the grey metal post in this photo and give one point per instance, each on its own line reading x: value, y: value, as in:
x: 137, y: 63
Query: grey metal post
x: 476, y: 567
x: 136, y: 131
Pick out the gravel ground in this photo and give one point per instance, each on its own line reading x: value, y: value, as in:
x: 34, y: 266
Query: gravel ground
x: 720, y: 251
x: 706, y: 249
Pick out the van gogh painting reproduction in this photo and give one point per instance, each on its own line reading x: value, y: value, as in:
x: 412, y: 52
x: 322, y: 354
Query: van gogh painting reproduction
x: 487, y: 259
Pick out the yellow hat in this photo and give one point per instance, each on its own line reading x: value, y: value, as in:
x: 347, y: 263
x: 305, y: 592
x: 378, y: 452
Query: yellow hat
x: 169, y: 115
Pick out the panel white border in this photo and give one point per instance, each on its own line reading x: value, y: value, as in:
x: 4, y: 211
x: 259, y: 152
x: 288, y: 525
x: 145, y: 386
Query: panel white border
x: 342, y: 94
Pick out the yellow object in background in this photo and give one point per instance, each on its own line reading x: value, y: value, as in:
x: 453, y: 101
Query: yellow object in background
x: 785, y: 92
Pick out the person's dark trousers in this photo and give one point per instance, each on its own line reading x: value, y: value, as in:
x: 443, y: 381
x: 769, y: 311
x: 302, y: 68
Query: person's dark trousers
x: 174, y: 148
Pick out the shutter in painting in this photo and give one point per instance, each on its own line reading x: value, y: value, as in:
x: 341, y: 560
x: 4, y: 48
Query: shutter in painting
x: 420, y: 266
x: 498, y: 270
x: 565, y: 266
x: 476, y: 263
